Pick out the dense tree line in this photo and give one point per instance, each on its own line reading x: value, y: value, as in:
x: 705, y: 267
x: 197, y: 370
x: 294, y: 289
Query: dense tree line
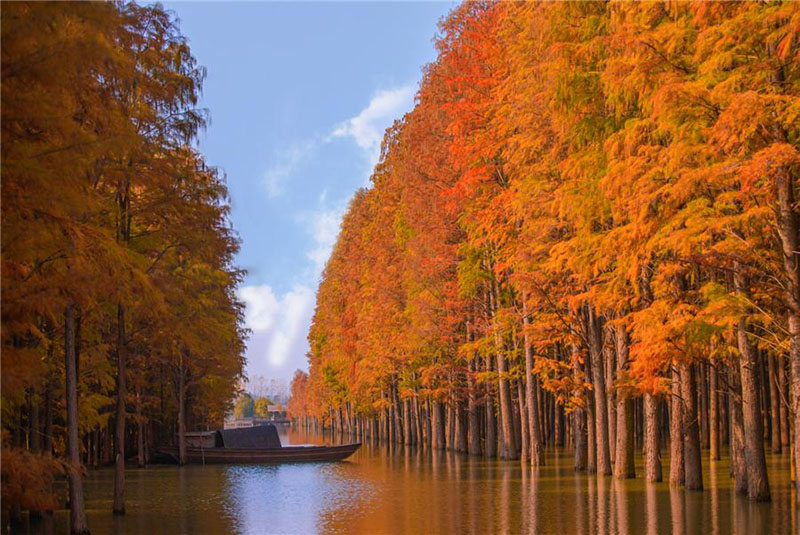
x: 585, y: 234
x: 120, y: 321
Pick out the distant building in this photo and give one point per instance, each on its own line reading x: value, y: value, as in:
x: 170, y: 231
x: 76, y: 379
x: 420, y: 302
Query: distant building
x: 275, y: 415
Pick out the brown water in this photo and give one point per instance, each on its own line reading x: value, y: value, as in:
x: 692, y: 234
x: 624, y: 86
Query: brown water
x: 403, y: 490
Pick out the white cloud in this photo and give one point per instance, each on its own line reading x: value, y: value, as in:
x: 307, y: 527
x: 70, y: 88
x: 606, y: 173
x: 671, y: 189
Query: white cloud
x: 323, y: 226
x: 367, y: 128
x: 284, y: 163
x: 279, y: 324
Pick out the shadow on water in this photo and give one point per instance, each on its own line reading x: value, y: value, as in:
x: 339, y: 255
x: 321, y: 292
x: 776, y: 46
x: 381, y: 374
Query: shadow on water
x: 397, y: 489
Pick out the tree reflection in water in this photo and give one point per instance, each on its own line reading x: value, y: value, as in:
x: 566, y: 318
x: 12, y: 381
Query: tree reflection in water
x: 399, y: 489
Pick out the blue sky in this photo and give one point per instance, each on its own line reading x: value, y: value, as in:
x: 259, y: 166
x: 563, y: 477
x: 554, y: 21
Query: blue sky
x: 299, y: 96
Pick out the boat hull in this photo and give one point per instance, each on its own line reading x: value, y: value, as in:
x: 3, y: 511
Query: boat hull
x: 289, y: 454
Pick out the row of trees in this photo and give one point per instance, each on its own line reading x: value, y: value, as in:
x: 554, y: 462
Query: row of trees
x: 585, y: 233
x: 246, y: 406
x: 120, y: 321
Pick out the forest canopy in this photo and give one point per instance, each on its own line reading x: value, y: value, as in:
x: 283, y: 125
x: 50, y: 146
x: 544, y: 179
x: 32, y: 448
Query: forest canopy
x: 588, y: 222
x: 120, y: 320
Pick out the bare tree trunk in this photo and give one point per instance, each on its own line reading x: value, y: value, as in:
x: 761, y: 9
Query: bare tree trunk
x: 77, y: 510
x: 624, y: 467
x: 181, y: 412
x: 713, y: 413
x: 652, y: 447
x: 738, y: 461
x: 534, y: 445
x: 757, y: 482
x: 784, y: 402
x: 579, y: 441
x: 406, y: 422
x: 595, y: 332
x: 677, y: 470
x: 703, y: 387
x: 461, y: 428
x: 789, y: 231
x: 523, y: 422
x: 140, y: 430
x: 506, y: 419
x: 119, y: 466
x: 474, y: 425
x: 611, y: 399
x: 774, y: 403
x: 691, y: 429
x: 490, y: 446
x: 438, y: 426
x: 591, y: 423
x: 35, y: 435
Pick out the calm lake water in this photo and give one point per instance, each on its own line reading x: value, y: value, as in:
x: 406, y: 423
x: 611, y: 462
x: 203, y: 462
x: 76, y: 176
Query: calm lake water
x: 403, y: 490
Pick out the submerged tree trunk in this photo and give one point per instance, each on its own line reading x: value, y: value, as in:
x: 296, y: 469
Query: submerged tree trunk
x: 509, y: 445
x: 691, y: 429
x: 474, y: 425
x: 757, y: 482
x: 774, y: 403
x: 490, y: 445
x: 738, y: 462
x: 141, y: 458
x: 677, y: 470
x: 119, y: 466
x: 652, y: 448
x: 438, y: 426
x: 624, y: 467
x: 713, y: 413
x: 789, y: 232
x: 534, y: 446
x: 181, y: 413
x: 524, y: 434
x: 595, y: 332
x: 77, y: 510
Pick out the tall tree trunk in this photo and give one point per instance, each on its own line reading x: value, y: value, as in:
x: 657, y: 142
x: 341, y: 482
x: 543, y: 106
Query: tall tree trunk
x: 609, y: 354
x: 757, y: 482
x: 438, y: 426
x: 591, y: 426
x: 703, y: 388
x: 784, y: 401
x: 789, y: 232
x: 595, y: 331
x: 738, y: 461
x: 119, y: 467
x: 652, y: 447
x: 523, y: 422
x: 140, y: 430
x: 181, y: 412
x: 406, y: 422
x: 77, y: 510
x: 691, y: 429
x: 461, y: 427
x: 713, y: 413
x: 534, y: 445
x: 490, y: 445
x: 474, y: 425
x: 774, y: 403
x: 624, y: 467
x: 579, y: 438
x: 677, y: 469
x: 506, y: 418
x: 35, y: 437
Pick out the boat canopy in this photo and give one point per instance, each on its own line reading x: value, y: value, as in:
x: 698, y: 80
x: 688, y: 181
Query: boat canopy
x: 258, y: 437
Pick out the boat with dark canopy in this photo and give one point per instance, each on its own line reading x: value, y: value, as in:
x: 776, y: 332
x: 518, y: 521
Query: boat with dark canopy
x: 258, y: 444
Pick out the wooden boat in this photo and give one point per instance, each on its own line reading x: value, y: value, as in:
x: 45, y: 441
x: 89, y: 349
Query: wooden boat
x: 259, y: 444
